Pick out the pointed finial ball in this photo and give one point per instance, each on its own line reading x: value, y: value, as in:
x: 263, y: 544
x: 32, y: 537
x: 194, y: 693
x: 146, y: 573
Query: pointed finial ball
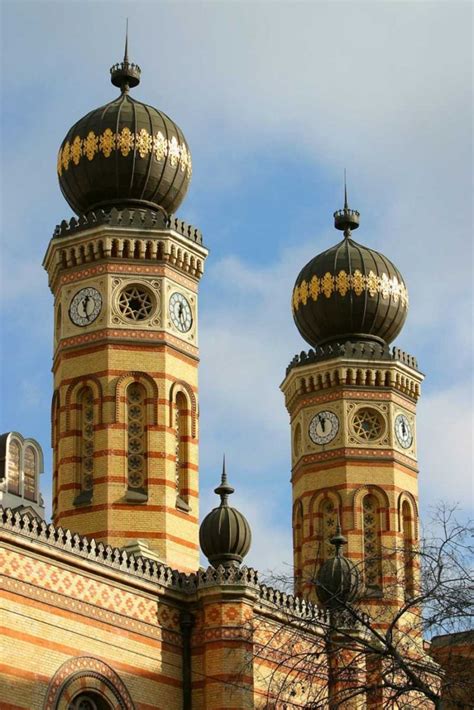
x: 338, y: 580
x: 225, y: 535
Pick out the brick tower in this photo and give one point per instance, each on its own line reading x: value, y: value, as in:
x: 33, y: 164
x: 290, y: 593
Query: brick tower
x: 125, y: 277
x: 352, y: 405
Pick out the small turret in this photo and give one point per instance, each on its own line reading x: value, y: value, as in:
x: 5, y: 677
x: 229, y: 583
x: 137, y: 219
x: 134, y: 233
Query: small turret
x: 338, y: 580
x: 225, y: 535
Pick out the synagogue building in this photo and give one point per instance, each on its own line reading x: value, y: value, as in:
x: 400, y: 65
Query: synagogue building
x: 107, y: 606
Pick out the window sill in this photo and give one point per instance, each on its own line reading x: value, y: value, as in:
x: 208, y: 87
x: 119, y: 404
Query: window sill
x: 136, y: 495
x: 182, y: 505
x: 84, y: 498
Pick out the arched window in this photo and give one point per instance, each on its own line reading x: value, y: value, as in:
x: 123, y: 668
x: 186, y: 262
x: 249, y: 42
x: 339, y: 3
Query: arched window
x: 58, y: 323
x: 372, y: 544
x: 89, y: 701
x: 328, y: 517
x: 297, y: 441
x: 136, y: 438
x: 14, y: 454
x: 298, y: 547
x: 86, y: 473
x: 30, y: 473
x: 408, y: 558
x: 181, y: 452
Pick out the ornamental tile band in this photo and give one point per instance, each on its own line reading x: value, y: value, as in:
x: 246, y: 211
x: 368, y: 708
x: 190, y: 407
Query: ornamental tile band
x: 342, y: 283
x: 124, y: 141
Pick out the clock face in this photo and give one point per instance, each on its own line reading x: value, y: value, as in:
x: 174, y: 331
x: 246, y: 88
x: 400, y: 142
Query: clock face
x: 85, y: 306
x: 180, y: 312
x: 403, y: 431
x: 323, y: 427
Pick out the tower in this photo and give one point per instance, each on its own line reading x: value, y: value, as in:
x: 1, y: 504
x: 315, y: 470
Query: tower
x: 125, y: 275
x: 352, y: 406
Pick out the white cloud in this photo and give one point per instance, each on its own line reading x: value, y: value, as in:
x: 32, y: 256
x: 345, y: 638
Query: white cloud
x: 445, y: 446
x: 383, y: 88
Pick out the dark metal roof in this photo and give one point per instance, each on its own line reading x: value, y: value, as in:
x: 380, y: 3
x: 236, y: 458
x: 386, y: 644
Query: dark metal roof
x: 124, y: 154
x: 225, y: 535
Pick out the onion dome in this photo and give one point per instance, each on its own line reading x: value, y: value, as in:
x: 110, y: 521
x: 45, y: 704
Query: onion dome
x: 349, y: 292
x: 224, y: 534
x: 124, y: 154
x: 337, y: 581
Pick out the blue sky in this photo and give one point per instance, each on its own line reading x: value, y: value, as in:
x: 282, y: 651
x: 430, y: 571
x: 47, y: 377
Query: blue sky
x: 275, y: 99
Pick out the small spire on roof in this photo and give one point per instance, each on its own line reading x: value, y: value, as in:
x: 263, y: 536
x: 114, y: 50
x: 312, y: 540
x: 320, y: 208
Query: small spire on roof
x: 338, y: 539
x: 125, y: 75
x: 125, y: 54
x: 224, y: 490
x: 346, y: 219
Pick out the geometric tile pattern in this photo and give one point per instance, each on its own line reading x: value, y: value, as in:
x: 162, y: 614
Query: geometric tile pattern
x: 79, y: 587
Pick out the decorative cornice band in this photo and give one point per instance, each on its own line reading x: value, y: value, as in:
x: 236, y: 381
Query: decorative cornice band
x: 149, y: 570
x: 142, y: 219
x: 353, y: 351
x: 343, y: 283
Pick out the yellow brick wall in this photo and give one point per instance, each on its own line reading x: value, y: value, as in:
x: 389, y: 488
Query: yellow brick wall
x: 101, y: 356
x: 53, y: 613
x: 344, y: 470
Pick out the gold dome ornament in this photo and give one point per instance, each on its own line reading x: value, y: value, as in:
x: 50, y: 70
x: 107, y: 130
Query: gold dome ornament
x: 349, y: 292
x: 124, y: 154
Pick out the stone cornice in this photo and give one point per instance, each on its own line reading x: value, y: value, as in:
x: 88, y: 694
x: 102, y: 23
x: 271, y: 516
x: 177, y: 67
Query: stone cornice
x: 142, y: 243
x: 65, y: 547
x: 319, y: 371
x: 362, y: 352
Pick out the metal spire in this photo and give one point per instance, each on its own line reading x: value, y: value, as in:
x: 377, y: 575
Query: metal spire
x: 338, y: 539
x: 224, y: 490
x: 346, y: 219
x: 125, y: 75
x: 125, y: 54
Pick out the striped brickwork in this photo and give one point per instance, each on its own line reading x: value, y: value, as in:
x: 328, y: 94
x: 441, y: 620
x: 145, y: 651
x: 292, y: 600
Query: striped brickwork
x: 339, y: 478
x: 63, y: 615
x: 108, y: 356
x: 80, y: 617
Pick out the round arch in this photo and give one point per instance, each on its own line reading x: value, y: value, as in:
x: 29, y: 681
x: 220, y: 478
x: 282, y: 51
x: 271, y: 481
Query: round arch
x: 383, y: 502
x: 82, y: 674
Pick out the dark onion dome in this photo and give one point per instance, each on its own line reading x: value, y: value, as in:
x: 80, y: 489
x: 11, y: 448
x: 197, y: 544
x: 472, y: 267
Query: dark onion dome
x: 224, y: 534
x: 124, y: 154
x: 337, y: 581
x: 349, y: 292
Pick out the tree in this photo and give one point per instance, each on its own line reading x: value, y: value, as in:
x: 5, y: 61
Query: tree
x: 372, y: 652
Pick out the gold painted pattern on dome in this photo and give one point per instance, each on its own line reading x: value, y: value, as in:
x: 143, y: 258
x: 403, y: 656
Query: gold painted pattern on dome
x: 342, y: 283
x: 124, y: 141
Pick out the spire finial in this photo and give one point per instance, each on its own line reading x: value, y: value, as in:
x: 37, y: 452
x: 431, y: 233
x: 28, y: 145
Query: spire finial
x: 125, y: 75
x: 338, y: 539
x: 346, y: 219
x: 224, y: 490
x: 125, y: 54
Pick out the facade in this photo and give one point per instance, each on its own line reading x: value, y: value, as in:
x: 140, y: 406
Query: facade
x: 106, y: 607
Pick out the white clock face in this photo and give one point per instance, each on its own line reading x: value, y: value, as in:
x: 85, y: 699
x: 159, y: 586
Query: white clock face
x: 403, y: 431
x: 323, y: 427
x: 180, y: 312
x: 85, y: 306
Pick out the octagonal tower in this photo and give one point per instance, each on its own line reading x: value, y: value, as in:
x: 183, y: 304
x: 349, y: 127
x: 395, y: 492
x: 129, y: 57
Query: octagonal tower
x: 125, y: 276
x: 352, y: 405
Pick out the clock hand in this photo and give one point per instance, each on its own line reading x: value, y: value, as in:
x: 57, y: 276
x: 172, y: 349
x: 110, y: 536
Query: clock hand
x: 85, y: 302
